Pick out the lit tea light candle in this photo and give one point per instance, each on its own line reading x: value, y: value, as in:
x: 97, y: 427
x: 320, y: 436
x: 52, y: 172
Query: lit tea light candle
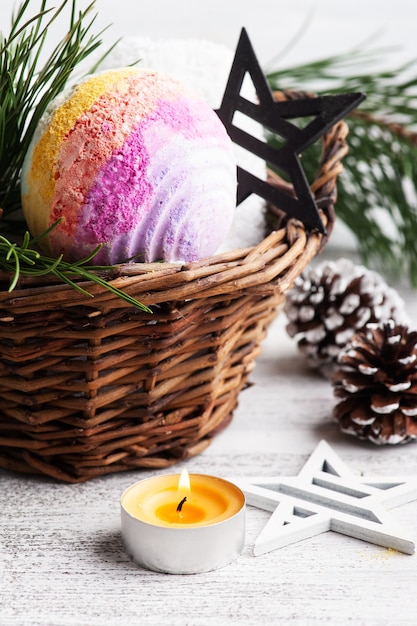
x: 183, y: 524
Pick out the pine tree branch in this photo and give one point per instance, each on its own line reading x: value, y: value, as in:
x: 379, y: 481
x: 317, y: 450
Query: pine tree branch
x: 28, y: 85
x: 394, y: 128
x: 377, y: 193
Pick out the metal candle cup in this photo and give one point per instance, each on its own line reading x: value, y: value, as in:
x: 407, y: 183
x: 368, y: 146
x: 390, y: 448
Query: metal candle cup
x: 183, y: 530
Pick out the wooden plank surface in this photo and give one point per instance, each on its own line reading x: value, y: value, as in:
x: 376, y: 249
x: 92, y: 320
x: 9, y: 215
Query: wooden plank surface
x: 62, y: 562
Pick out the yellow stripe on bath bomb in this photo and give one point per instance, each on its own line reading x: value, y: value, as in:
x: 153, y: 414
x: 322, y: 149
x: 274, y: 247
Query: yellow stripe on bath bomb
x: 39, y: 177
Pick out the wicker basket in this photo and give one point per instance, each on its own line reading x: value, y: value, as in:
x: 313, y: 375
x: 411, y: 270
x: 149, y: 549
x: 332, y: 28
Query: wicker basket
x: 95, y: 386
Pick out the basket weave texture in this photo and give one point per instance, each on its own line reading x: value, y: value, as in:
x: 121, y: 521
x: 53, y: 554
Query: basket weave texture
x: 90, y: 386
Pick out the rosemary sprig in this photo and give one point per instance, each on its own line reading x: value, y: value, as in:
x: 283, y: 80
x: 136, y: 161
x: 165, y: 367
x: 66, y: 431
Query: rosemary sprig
x: 26, y: 260
x: 377, y: 193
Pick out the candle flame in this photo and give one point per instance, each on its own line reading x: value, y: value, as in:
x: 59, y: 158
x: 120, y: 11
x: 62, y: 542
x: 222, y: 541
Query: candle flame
x: 184, y: 482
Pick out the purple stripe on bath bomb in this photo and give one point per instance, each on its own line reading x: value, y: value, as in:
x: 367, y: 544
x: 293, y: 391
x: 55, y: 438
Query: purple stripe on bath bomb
x: 122, y: 200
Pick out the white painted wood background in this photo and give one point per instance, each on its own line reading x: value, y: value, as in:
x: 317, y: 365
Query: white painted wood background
x: 62, y: 562
x: 61, y: 558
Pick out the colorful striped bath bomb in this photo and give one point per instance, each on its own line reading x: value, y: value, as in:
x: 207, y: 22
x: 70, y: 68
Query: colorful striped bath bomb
x: 133, y: 160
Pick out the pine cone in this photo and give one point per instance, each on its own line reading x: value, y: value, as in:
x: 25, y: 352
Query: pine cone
x: 377, y: 379
x: 331, y: 302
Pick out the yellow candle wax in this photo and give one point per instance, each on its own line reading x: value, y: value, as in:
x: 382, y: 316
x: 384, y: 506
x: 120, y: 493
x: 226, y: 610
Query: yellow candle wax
x: 162, y: 501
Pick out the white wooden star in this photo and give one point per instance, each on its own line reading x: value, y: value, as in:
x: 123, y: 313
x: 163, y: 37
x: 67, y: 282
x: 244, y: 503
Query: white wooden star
x: 325, y: 496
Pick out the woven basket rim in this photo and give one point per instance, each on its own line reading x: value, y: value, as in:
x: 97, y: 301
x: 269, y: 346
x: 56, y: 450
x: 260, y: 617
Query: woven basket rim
x: 240, y: 268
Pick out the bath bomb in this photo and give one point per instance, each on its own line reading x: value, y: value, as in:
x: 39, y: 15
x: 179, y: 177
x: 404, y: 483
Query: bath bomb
x: 204, y: 66
x: 133, y: 160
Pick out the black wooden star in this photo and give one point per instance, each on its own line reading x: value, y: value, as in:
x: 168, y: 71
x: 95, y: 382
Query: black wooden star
x: 274, y: 116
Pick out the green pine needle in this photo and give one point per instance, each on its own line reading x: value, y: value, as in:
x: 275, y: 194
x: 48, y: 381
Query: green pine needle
x: 28, y: 84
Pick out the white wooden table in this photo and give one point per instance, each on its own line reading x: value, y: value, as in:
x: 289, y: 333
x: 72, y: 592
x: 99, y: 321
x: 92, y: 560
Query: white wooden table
x: 62, y: 561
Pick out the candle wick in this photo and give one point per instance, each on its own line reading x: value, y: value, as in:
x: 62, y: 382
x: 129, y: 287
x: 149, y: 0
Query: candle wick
x: 179, y: 507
